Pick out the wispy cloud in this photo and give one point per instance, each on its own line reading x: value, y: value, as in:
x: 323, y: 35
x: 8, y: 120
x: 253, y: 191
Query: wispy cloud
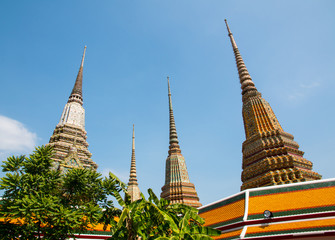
x: 303, y: 90
x: 295, y: 95
x: 15, y: 137
x: 310, y: 85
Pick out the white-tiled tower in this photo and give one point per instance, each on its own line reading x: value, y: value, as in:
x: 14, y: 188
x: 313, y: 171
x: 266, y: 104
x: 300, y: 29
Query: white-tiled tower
x: 69, y: 137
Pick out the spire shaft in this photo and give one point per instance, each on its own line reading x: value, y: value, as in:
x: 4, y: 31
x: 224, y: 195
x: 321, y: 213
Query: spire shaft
x: 233, y: 43
x: 77, y: 91
x: 177, y: 188
x: 133, y: 177
x: 83, y: 58
x: 173, y: 131
x: 133, y: 137
x: 247, y: 85
x: 133, y: 189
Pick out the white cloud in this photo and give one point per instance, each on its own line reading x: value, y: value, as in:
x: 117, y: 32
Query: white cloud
x: 15, y: 137
x: 310, y: 85
x: 296, y: 95
x: 303, y: 90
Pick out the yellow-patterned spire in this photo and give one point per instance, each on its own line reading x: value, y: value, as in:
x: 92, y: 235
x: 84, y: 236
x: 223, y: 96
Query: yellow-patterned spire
x: 270, y: 155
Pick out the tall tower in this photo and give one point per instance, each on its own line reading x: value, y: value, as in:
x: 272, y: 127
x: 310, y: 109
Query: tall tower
x: 177, y: 188
x: 69, y: 136
x: 133, y: 189
x: 270, y: 155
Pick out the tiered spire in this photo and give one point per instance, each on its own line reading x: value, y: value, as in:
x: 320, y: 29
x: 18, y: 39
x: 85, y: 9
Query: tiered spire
x: 177, y: 188
x: 69, y: 136
x: 247, y: 84
x: 133, y: 189
x: 270, y: 155
x: 77, y: 91
x: 174, y: 147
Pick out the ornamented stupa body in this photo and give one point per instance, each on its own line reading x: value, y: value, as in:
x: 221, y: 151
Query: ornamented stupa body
x: 69, y: 137
x: 270, y: 155
x: 177, y: 188
x: 133, y: 189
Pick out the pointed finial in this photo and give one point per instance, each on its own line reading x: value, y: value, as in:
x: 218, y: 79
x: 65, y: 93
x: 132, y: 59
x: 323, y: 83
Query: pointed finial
x: 227, y: 26
x: 169, y: 93
x: 247, y: 85
x: 233, y: 43
x: 83, y: 58
x: 174, y: 147
x: 168, y: 80
x: 133, y: 136
x: 76, y: 94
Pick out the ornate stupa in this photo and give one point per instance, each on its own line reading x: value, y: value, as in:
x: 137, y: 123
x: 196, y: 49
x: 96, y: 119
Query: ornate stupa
x: 133, y: 190
x: 177, y: 188
x: 69, y: 137
x: 270, y: 155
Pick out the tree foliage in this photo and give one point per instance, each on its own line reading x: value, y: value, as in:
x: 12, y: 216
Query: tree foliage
x: 158, y: 219
x: 42, y: 203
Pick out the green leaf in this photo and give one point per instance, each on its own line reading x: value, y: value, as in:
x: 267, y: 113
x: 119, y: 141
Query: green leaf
x: 118, y: 181
x: 123, y: 217
x: 152, y: 197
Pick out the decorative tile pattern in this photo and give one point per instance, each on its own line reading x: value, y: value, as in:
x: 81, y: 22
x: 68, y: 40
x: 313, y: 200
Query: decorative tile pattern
x: 224, y: 212
x: 302, y: 201
x: 270, y: 155
x: 291, y: 228
x: 235, y: 234
x: 307, y: 208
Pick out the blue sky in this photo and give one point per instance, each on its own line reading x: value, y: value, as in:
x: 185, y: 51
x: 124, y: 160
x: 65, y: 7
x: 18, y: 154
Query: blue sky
x: 132, y: 46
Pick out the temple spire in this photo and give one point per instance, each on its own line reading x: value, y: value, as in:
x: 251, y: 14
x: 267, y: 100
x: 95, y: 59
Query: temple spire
x: 77, y: 91
x: 69, y: 137
x: 177, y: 187
x: 132, y: 178
x: 133, y: 189
x: 270, y: 155
x: 173, y: 131
x: 247, y: 85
